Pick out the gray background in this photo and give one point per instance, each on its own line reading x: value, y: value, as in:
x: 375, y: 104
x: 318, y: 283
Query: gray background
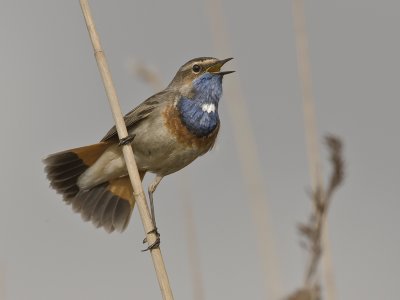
x: 52, y: 99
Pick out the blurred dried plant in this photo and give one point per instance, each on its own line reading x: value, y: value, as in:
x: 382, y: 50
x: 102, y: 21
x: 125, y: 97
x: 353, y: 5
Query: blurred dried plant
x: 148, y: 75
x: 312, y: 230
x: 321, y: 199
x: 306, y: 294
x: 304, y: 69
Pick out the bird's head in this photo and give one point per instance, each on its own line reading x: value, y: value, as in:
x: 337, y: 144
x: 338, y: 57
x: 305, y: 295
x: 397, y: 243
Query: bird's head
x: 201, y: 75
x: 199, y: 84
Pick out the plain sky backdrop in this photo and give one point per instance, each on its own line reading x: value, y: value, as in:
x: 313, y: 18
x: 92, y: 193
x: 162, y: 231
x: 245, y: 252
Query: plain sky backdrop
x: 52, y: 99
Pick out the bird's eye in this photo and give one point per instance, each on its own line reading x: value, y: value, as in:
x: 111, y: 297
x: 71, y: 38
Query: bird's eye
x: 196, y: 68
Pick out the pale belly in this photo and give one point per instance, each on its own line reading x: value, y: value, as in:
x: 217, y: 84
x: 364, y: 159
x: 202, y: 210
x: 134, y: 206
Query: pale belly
x: 155, y: 149
x: 158, y: 151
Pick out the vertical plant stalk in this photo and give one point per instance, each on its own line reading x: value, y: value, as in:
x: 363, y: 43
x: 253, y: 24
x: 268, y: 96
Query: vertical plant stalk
x: 248, y: 157
x: 157, y: 258
x: 2, y: 285
x: 154, y: 80
x: 304, y: 71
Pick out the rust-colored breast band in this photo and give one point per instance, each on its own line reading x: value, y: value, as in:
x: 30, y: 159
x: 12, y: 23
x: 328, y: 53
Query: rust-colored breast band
x: 175, y: 126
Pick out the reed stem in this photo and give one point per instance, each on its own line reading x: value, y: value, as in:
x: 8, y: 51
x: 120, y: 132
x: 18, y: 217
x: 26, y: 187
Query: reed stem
x: 140, y: 198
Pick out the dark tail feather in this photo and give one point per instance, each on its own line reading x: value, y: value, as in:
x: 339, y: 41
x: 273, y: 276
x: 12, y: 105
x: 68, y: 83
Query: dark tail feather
x: 64, y: 168
x: 108, y: 205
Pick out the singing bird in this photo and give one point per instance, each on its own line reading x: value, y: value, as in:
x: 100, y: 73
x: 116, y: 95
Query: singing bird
x: 167, y: 132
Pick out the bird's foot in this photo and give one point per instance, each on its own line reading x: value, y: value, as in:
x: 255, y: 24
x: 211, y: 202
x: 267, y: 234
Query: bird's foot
x: 126, y: 140
x: 156, y: 243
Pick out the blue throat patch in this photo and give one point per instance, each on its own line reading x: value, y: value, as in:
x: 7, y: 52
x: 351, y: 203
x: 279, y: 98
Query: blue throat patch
x: 198, y: 120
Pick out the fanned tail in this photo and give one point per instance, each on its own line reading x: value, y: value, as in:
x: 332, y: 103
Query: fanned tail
x: 108, y: 205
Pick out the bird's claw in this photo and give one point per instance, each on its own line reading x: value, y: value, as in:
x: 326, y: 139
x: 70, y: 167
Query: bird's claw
x: 156, y: 243
x: 126, y: 140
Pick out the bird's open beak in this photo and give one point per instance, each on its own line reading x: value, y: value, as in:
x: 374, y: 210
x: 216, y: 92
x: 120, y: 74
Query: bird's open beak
x: 216, y: 67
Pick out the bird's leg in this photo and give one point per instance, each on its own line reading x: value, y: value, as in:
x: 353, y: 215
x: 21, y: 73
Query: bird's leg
x: 126, y: 140
x: 151, y: 190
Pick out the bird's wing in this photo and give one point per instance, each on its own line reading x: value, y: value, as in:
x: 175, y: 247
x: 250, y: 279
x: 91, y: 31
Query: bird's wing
x: 139, y: 113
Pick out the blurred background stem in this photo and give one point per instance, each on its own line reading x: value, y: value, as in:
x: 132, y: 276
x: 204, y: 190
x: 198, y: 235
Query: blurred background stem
x: 248, y: 156
x: 315, y: 169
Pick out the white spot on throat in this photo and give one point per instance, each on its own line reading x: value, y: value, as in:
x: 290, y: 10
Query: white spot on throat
x: 208, y: 107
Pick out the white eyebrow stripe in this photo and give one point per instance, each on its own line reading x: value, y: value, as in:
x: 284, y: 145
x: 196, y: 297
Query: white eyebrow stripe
x: 202, y: 63
x: 208, y: 107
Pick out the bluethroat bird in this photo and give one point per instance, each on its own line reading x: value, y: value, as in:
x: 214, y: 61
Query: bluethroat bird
x: 167, y: 131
